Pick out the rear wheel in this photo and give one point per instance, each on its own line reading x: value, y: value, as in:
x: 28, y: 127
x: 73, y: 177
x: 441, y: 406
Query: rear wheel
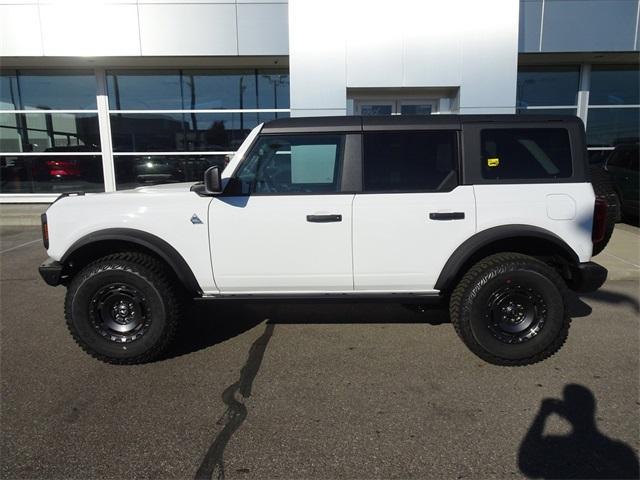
x: 123, y: 308
x: 509, y: 310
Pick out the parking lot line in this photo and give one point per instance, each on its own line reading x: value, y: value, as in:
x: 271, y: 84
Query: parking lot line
x: 19, y: 246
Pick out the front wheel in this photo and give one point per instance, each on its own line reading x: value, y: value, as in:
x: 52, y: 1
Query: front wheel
x: 123, y: 308
x: 509, y: 309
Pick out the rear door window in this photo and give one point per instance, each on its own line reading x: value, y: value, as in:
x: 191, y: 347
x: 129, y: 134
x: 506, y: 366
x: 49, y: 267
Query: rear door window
x: 411, y: 161
x: 526, y: 153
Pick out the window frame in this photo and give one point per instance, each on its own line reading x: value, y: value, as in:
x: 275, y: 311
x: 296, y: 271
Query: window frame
x: 444, y: 187
x: 472, y: 163
x: 347, y: 170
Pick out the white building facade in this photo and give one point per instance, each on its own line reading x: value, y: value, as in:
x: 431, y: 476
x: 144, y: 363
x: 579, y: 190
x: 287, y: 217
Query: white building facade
x: 114, y: 94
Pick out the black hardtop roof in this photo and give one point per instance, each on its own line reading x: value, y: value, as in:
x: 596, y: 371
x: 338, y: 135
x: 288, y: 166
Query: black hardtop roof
x: 401, y: 122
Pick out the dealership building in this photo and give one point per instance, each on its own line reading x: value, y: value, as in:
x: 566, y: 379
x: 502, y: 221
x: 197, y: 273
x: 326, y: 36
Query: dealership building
x: 115, y: 94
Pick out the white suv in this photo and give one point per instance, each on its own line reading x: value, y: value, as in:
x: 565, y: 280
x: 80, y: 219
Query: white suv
x: 493, y: 214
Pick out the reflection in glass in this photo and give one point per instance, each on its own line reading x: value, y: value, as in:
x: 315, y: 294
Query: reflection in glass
x: 142, y: 90
x: 372, y: 109
x: 608, y: 127
x: 547, y: 111
x: 615, y: 85
x: 166, y: 132
x: 44, y: 132
x: 598, y: 157
x: 217, y: 90
x: 47, y: 90
x: 197, y: 89
x: 540, y: 86
x: 140, y: 170
x: 51, y: 174
x: 273, y: 89
x: 415, y: 109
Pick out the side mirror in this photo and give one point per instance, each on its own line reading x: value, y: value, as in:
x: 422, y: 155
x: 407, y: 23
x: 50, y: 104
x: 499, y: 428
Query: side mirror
x: 212, y: 180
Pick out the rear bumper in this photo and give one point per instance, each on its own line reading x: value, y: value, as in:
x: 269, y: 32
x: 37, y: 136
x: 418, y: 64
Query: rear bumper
x: 51, y: 272
x: 587, y: 277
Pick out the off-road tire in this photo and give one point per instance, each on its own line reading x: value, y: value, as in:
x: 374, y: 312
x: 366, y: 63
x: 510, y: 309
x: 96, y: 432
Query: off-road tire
x: 469, y: 310
x: 603, y: 187
x: 144, y: 274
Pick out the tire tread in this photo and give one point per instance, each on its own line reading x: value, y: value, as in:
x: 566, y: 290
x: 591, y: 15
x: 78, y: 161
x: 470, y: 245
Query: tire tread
x: 155, y: 272
x: 460, y: 293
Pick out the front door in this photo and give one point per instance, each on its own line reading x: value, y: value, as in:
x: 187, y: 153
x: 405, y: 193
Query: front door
x: 285, y: 228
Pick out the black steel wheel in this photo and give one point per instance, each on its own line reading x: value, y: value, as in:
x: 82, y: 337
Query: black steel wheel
x: 123, y: 308
x: 509, y: 309
x: 515, y: 313
x: 119, y: 312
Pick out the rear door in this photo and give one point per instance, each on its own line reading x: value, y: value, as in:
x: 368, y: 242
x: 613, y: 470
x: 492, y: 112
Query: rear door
x: 412, y: 213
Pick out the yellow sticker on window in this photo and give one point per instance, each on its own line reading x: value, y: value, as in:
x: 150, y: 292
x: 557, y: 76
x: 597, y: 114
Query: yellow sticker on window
x: 493, y: 162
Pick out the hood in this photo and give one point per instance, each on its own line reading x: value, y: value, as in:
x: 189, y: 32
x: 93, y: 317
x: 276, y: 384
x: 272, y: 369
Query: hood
x: 164, y: 188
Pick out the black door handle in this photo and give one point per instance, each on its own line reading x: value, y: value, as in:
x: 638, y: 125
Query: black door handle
x: 447, y: 216
x: 324, y: 218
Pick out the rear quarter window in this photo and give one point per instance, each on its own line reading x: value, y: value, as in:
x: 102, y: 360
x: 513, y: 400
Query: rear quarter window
x: 526, y: 153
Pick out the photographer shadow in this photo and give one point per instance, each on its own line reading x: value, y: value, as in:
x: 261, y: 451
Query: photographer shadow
x: 585, y: 453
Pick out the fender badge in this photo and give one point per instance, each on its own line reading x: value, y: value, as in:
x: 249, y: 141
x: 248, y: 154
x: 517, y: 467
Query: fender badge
x: 195, y: 219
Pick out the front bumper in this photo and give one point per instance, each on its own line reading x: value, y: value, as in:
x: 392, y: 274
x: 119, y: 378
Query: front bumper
x: 587, y: 277
x: 51, y: 272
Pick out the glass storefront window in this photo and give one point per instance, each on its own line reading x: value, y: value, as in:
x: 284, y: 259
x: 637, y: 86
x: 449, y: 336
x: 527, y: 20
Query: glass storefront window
x: 51, y: 173
x: 144, y: 90
x: 166, y: 132
x: 615, y: 85
x: 273, y: 90
x: 45, y: 132
x: 197, y: 90
x: 546, y: 111
x: 208, y: 90
x: 49, y: 151
x: 139, y: 170
x: 608, y: 127
x: 44, y: 90
x: 547, y: 85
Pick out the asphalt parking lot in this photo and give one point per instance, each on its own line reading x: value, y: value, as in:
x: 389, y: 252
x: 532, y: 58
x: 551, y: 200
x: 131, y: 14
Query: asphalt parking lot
x: 317, y: 391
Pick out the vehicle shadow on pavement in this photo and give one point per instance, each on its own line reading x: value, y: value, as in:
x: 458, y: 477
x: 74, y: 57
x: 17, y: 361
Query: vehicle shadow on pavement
x: 362, y: 312
x: 233, y: 397
x: 209, y: 323
x: 615, y: 298
x: 584, y: 453
x: 576, y: 307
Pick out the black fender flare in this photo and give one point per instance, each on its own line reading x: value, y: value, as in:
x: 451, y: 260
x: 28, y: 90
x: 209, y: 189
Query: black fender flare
x: 472, y: 245
x: 144, y: 239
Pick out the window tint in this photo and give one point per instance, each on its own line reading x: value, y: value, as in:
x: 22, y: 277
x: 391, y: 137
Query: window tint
x: 526, y: 153
x: 292, y: 164
x: 408, y: 161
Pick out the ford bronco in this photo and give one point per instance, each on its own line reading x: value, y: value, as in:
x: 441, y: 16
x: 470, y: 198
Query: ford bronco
x: 493, y: 214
